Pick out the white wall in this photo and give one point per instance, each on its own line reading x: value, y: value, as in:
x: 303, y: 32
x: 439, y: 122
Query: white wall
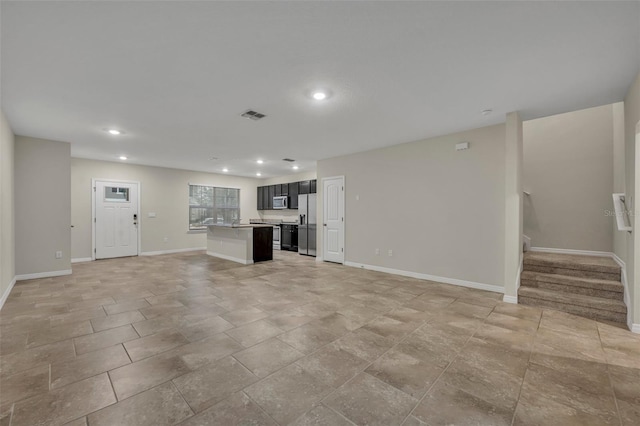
x: 568, y: 169
x: 42, y: 205
x: 631, y: 119
x: 441, y: 211
x: 619, y: 238
x: 7, y: 202
x: 286, y: 215
x: 163, y: 191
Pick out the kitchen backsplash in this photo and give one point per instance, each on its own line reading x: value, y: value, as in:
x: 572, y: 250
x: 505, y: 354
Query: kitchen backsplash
x: 284, y: 215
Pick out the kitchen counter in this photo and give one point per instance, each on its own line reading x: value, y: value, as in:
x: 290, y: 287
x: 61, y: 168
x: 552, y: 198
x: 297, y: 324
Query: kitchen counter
x: 242, y: 243
x: 244, y: 225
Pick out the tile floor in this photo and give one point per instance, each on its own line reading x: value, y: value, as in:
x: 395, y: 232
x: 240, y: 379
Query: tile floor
x: 195, y: 340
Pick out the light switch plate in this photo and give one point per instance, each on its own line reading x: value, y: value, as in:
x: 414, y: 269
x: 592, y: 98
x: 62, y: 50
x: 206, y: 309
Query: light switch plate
x: 151, y: 214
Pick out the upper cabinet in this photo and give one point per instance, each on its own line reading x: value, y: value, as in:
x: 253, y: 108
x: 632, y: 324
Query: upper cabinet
x: 291, y: 190
x: 293, y: 195
x: 303, y: 187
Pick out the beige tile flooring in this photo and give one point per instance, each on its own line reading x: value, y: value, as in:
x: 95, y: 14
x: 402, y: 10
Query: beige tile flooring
x: 193, y: 339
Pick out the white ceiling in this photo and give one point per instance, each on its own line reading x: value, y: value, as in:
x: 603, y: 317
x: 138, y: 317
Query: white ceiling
x: 176, y: 75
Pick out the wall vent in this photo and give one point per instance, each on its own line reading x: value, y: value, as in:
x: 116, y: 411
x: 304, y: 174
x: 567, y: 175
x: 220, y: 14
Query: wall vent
x: 289, y: 160
x: 252, y: 115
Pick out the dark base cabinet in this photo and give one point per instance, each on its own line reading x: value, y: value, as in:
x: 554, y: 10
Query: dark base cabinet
x: 289, y: 238
x: 262, y: 244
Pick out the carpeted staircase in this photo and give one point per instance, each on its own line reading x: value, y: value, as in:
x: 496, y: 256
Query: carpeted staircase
x: 588, y: 286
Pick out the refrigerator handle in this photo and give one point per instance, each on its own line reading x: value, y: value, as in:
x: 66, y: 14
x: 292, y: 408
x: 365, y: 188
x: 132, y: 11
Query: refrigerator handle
x: 302, y: 218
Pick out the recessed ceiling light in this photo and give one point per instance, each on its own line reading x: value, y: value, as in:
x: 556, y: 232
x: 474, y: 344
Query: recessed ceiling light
x: 295, y: 167
x: 259, y: 161
x: 114, y: 132
x: 122, y: 157
x: 319, y: 95
x: 486, y: 111
x: 258, y: 174
x: 225, y: 170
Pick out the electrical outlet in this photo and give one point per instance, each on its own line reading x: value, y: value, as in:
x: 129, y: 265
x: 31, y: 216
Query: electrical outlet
x: 166, y: 239
x: 377, y: 252
x: 58, y: 255
x: 390, y: 253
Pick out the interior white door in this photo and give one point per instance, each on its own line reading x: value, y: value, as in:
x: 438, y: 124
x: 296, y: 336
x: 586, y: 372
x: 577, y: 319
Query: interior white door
x: 116, y: 219
x: 333, y: 219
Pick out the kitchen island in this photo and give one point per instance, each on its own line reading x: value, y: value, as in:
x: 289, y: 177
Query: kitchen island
x: 241, y: 243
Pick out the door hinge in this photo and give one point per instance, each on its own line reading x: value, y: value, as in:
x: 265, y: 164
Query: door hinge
x: 94, y: 189
x: 342, y: 249
x: 94, y: 250
x: 94, y: 220
x: 343, y: 219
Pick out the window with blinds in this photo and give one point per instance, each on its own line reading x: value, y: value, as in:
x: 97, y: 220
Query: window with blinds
x: 210, y: 205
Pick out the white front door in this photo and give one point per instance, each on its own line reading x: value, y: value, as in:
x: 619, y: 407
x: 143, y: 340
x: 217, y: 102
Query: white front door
x: 333, y: 219
x: 116, y: 219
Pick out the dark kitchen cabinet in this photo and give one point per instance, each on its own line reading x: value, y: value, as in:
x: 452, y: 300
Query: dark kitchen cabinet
x: 265, y: 197
x: 293, y: 195
x: 272, y: 193
x: 303, y: 187
x: 289, y: 238
x: 262, y: 244
x: 260, y: 199
x: 291, y: 190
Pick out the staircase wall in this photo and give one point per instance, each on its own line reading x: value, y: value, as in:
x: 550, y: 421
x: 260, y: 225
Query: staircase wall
x: 568, y: 169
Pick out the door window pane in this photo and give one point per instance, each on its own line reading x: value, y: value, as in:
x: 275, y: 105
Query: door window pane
x: 112, y: 193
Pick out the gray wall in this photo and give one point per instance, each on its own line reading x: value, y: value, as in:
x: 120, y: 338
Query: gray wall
x: 7, y: 201
x: 42, y: 205
x: 163, y: 191
x: 441, y: 211
x: 568, y: 169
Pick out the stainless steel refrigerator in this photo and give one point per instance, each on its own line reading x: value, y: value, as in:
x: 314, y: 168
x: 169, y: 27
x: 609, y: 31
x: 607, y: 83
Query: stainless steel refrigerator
x: 308, y: 224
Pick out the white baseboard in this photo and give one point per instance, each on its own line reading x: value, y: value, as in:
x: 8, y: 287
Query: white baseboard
x: 514, y: 299
x: 625, y: 286
x: 6, y: 293
x: 319, y: 259
x: 635, y: 328
x: 43, y: 275
x: 570, y: 251
x: 445, y: 280
x: 231, y: 258
x: 81, y: 259
x: 155, y: 253
x: 510, y: 299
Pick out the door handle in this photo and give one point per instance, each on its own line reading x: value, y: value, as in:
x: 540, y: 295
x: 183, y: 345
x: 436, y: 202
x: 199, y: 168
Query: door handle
x: 325, y: 224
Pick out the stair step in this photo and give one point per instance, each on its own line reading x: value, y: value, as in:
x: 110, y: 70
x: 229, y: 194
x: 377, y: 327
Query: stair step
x: 573, y: 285
x: 572, y: 265
x: 587, y: 306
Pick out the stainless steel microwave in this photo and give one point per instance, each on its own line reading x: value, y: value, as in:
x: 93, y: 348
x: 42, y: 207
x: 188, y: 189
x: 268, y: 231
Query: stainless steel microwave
x: 280, y: 202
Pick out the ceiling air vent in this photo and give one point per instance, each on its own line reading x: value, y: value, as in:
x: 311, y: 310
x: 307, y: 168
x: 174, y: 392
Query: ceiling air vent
x: 252, y: 115
x: 288, y: 160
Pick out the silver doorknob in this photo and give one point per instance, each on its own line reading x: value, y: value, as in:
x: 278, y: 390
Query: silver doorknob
x: 325, y: 224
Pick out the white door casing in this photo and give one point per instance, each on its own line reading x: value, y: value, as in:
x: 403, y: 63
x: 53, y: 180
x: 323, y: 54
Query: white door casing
x: 116, y: 218
x: 333, y: 219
